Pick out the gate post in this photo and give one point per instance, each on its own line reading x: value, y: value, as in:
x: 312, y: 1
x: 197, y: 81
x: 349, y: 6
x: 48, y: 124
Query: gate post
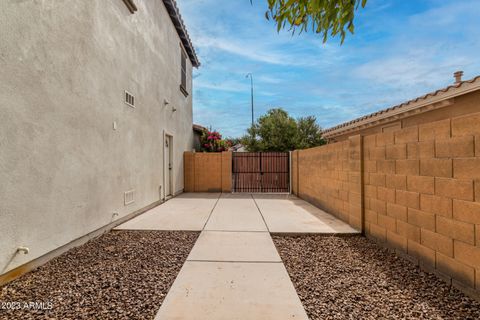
x: 227, y: 171
x: 290, y: 189
x: 355, y: 179
x: 294, y: 182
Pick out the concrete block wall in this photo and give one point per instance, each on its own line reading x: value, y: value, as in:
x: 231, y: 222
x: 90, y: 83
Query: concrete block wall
x: 416, y: 190
x: 422, y: 195
x: 208, y: 172
x: 330, y: 177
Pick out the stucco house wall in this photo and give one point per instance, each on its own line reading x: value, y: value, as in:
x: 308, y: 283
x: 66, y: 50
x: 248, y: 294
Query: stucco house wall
x: 70, y: 146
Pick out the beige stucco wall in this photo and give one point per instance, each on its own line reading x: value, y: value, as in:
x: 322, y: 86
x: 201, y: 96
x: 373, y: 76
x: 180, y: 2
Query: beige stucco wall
x: 65, y: 66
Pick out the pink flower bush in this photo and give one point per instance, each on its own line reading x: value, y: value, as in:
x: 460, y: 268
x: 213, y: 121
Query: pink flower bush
x: 211, y: 141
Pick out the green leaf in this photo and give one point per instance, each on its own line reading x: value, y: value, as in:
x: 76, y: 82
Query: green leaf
x: 325, y: 17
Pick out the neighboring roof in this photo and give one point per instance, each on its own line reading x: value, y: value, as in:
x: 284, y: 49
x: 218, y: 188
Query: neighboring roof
x: 177, y: 20
x: 237, y: 147
x: 433, y: 100
x: 198, y: 128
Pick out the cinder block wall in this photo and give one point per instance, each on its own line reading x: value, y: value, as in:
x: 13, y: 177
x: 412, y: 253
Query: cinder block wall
x: 422, y: 195
x: 330, y: 177
x: 420, y: 192
x: 208, y: 172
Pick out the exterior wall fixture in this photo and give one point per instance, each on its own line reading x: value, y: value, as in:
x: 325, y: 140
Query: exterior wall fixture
x: 24, y: 250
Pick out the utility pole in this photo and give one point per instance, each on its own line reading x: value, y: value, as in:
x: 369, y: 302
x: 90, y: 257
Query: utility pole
x: 251, y: 82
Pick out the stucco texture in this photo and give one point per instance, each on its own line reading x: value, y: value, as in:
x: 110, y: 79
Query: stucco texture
x: 63, y: 167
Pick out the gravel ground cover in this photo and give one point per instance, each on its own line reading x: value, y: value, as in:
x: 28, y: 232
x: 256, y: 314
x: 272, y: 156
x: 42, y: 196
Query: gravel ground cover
x: 120, y: 275
x: 354, y: 278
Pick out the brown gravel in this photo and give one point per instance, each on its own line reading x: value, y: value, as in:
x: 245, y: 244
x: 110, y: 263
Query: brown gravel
x: 120, y: 275
x: 354, y: 278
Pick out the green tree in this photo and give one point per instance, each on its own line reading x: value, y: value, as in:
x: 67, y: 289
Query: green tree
x: 233, y: 141
x: 277, y: 131
x: 325, y: 17
x: 309, y: 133
x: 274, y: 131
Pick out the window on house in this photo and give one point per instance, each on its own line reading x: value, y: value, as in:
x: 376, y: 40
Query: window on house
x: 183, y: 83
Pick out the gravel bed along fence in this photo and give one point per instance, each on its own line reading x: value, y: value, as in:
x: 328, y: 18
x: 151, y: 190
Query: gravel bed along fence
x: 120, y: 275
x: 354, y: 278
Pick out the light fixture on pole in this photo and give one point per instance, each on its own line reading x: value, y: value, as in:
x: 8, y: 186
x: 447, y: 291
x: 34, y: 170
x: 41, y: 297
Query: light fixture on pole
x: 251, y: 82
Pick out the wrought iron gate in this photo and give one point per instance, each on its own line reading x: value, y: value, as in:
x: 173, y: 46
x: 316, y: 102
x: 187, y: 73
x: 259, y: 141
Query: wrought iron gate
x: 261, y: 172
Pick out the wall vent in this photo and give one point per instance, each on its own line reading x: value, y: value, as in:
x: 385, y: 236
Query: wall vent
x: 129, y: 99
x: 129, y: 197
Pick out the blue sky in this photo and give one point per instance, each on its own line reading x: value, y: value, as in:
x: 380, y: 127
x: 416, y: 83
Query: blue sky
x: 401, y: 49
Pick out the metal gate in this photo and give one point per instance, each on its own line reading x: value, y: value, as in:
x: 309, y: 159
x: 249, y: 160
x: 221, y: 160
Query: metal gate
x: 261, y: 172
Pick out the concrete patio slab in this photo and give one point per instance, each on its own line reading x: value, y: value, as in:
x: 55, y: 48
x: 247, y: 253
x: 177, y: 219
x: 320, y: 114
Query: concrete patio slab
x: 234, y: 246
x: 188, y: 211
x: 236, y: 212
x: 289, y: 214
x: 224, y: 290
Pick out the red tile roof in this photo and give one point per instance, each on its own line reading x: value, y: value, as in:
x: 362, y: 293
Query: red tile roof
x: 177, y: 20
x: 451, y: 91
x: 198, y: 128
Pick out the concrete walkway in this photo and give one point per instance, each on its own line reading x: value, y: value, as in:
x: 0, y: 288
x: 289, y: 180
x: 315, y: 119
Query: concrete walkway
x: 234, y: 270
x: 188, y: 211
x: 289, y: 214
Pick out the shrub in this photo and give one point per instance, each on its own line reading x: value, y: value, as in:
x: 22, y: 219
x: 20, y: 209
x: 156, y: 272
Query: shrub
x: 211, y: 141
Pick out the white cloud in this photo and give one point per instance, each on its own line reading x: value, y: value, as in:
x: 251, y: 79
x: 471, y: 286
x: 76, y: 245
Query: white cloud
x: 230, y: 86
x: 250, y: 51
x: 394, y: 56
x: 268, y: 79
x: 409, y: 69
x: 447, y: 15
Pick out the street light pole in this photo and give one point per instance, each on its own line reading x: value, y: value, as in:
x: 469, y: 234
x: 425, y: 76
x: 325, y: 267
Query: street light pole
x: 251, y: 82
